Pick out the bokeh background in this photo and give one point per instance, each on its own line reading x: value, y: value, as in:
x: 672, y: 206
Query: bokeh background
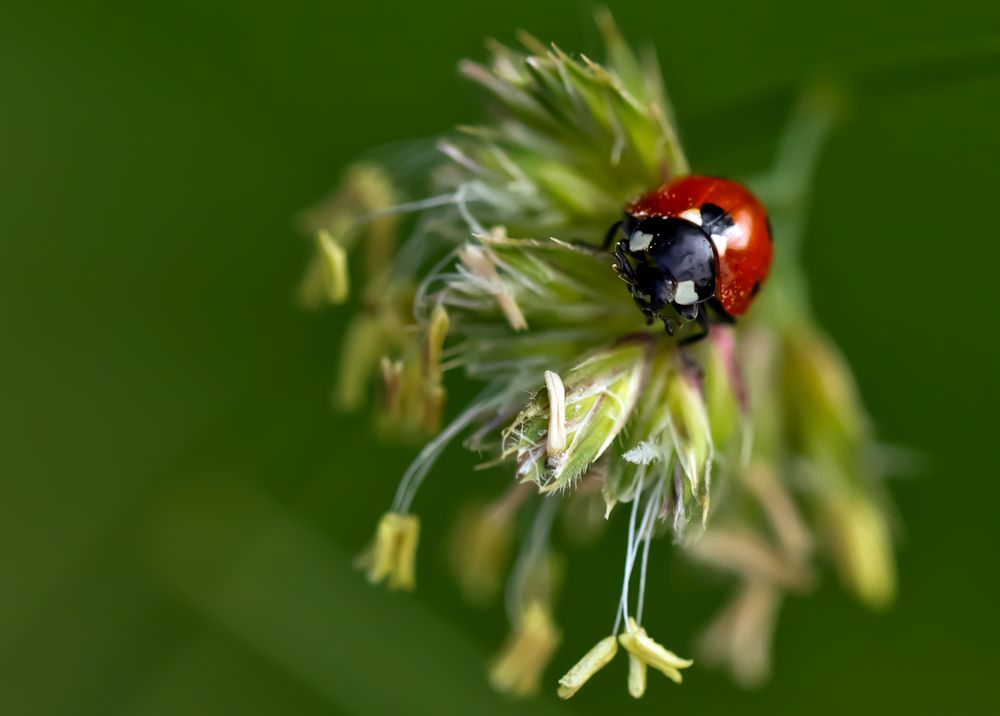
x: 180, y: 504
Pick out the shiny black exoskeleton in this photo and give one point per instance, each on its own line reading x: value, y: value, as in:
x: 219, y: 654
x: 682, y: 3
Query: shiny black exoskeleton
x: 670, y: 266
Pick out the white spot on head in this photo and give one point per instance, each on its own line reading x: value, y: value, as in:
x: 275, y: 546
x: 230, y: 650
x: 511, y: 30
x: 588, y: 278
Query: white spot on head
x: 692, y: 215
x: 685, y: 294
x: 639, y: 241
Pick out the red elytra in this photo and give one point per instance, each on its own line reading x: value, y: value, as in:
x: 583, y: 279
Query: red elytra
x: 745, y: 258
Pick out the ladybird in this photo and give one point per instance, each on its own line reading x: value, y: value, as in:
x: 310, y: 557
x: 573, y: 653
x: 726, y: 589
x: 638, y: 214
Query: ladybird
x: 696, y: 243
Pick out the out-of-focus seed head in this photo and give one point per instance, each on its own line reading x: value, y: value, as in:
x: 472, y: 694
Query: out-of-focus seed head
x: 392, y: 556
x: 518, y: 669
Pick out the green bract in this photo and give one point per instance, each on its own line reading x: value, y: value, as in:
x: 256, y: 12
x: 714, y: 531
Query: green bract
x: 600, y: 396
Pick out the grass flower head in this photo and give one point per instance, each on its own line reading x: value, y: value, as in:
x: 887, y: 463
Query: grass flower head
x: 749, y: 449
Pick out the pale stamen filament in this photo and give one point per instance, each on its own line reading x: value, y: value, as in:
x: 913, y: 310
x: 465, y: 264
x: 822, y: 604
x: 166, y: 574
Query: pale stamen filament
x: 530, y: 551
x: 419, y: 468
x: 643, y: 535
x: 628, y: 550
x: 647, y: 538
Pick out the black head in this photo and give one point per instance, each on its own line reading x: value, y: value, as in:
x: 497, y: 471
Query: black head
x: 666, y: 262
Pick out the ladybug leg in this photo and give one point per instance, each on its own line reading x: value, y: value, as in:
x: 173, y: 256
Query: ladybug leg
x: 646, y: 308
x: 610, y: 236
x: 622, y: 266
x: 641, y: 300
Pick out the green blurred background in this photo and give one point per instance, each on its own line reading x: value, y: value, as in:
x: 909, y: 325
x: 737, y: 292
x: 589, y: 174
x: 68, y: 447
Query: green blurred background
x: 180, y: 504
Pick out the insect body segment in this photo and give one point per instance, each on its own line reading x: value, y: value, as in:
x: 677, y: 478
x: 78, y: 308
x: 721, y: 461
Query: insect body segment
x: 698, y: 242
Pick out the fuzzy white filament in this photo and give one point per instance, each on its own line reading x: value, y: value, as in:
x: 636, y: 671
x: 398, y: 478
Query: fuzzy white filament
x: 489, y: 399
x: 482, y: 265
x: 555, y: 442
x: 530, y: 552
x: 634, y: 537
x: 628, y: 550
x: 418, y: 469
x: 647, y: 538
x: 645, y: 531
